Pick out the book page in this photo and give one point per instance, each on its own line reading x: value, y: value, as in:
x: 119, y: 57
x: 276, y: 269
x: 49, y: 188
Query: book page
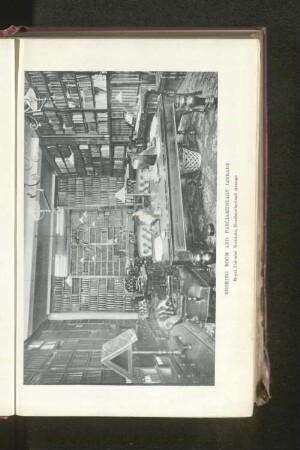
x: 136, y: 198
x: 7, y: 192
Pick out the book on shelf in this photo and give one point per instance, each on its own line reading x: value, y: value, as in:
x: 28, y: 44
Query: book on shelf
x: 133, y: 191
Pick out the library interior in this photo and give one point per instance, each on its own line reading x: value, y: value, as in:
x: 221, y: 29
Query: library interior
x: 120, y: 186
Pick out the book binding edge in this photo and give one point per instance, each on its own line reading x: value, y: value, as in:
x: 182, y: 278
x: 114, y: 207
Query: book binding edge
x: 263, y: 394
x: 10, y: 31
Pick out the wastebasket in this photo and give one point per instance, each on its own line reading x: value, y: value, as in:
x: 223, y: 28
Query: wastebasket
x: 190, y: 161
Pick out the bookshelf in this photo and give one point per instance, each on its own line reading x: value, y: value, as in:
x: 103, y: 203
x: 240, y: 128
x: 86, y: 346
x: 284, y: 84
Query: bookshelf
x: 77, y: 101
x: 97, y: 263
x: 84, y: 133
x: 84, y: 159
x: 90, y: 294
x: 86, y: 108
x: 77, y: 106
x: 76, y: 356
x: 89, y: 191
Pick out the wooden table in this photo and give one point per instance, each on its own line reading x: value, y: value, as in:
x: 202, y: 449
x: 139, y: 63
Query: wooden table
x: 167, y: 190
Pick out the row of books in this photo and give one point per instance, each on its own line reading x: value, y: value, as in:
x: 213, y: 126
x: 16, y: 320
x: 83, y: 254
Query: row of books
x: 104, y: 295
x: 86, y: 377
x: 93, y: 190
x: 78, y: 123
x: 98, y: 232
x: 105, y: 151
x: 119, y: 151
x: 46, y: 87
x: 118, y: 164
x: 83, y: 90
x: 102, y: 123
x: 85, y: 87
x: 79, y: 359
x: 63, y: 299
x: 45, y: 378
x: 59, y: 150
x: 95, y: 359
x: 36, y: 360
x: 37, y: 81
x: 67, y: 92
x: 61, y: 359
x: 87, y: 159
x: 95, y: 294
x: 98, y: 268
x: 53, y: 120
x: 89, y: 344
x: 55, y: 88
x: 65, y: 166
x: 72, y: 89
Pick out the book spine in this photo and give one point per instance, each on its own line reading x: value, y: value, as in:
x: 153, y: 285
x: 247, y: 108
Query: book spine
x: 10, y: 31
x: 263, y: 387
